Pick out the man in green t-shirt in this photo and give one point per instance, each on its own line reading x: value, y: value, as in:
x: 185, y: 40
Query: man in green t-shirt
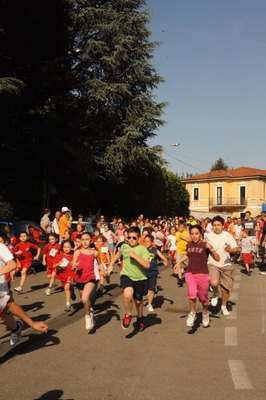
x: 132, y: 275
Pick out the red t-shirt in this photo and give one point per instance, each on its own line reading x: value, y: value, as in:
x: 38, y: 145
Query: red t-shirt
x: 63, y: 271
x: 51, y: 251
x: 85, y: 269
x: 197, y: 255
x: 26, y: 256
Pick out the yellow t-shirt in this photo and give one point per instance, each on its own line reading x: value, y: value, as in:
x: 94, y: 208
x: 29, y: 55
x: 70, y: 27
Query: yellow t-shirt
x: 181, y: 243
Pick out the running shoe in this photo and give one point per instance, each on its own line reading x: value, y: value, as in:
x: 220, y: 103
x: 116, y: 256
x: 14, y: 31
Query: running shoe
x: 126, y: 321
x: 108, y: 280
x: 140, y: 324
x: 224, y: 311
x: 150, y: 308
x: 262, y: 272
x: 214, y: 299
x: 68, y: 307
x: 89, y: 323
x: 205, y: 320
x: 18, y: 289
x: 48, y: 291
x: 101, y: 289
x: 191, y: 319
x: 16, y: 335
x: 72, y: 293
x: 33, y: 271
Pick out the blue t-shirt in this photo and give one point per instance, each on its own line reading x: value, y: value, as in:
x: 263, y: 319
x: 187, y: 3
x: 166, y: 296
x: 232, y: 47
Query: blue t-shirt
x: 153, y: 270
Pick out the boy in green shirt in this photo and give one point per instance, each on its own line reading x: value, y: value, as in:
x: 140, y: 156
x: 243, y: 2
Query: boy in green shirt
x: 132, y: 275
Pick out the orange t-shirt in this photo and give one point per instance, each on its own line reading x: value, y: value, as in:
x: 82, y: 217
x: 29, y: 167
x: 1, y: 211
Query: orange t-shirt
x: 63, y: 224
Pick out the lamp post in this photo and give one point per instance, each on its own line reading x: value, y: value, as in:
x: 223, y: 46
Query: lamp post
x: 163, y: 148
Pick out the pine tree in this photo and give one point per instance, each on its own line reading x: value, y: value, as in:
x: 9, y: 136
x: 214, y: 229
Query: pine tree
x: 219, y: 164
x: 116, y: 83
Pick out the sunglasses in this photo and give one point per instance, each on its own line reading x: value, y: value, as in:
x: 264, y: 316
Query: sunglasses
x: 132, y: 237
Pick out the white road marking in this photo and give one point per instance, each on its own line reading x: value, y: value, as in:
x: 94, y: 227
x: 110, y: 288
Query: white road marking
x: 233, y: 296
x: 230, y: 337
x: 238, y: 277
x: 239, y: 374
x: 263, y: 302
x: 233, y: 314
x: 236, y: 285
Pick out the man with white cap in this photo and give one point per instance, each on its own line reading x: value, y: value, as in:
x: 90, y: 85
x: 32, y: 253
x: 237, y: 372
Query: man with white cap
x: 64, y: 221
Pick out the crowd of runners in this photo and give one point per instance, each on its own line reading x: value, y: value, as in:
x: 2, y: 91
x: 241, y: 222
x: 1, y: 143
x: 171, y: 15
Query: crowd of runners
x: 201, y: 252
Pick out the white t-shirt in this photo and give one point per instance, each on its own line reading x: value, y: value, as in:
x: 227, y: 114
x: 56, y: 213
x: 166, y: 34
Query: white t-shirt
x: 5, y: 256
x: 237, y: 230
x: 219, y: 242
x: 172, y: 239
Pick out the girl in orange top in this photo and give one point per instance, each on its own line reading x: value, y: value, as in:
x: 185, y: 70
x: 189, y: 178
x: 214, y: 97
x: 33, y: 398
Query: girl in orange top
x: 106, y: 256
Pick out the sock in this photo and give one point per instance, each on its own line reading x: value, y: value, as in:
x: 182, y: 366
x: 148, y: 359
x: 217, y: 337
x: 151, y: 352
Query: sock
x: 223, y: 307
x: 17, y: 328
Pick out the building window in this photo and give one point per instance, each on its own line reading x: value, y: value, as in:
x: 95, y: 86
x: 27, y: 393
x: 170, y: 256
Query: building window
x: 196, y: 193
x: 219, y: 196
x: 242, y: 194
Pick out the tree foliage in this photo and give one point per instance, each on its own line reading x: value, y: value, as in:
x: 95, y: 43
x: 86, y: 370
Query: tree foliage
x: 219, y: 164
x: 87, y: 106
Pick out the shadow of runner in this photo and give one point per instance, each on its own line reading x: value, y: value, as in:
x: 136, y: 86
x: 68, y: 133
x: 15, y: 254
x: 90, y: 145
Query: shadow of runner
x: 34, y: 342
x: 102, y: 319
x: 55, y: 394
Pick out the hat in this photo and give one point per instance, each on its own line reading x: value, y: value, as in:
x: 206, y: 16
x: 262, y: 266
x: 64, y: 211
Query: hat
x: 64, y: 209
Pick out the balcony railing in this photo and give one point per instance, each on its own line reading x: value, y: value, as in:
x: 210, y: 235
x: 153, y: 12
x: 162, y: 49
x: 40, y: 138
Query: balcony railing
x: 227, y: 202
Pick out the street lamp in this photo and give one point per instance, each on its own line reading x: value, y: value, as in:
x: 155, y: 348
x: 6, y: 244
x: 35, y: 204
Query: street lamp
x: 163, y: 148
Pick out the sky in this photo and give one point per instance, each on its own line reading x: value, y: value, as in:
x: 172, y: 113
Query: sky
x: 213, y: 59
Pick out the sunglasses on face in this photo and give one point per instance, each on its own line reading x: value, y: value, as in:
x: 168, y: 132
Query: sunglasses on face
x: 132, y: 237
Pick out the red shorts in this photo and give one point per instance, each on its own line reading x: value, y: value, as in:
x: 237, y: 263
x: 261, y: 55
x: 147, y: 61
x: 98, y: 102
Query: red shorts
x: 25, y: 265
x: 50, y: 270
x: 172, y: 254
x: 247, y: 258
x: 2, y: 313
x: 64, y: 280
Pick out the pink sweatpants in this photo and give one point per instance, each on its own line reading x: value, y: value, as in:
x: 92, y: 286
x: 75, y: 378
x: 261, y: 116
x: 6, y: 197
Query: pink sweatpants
x: 198, y: 286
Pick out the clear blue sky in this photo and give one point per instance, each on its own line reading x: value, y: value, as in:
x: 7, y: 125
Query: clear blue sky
x: 213, y: 58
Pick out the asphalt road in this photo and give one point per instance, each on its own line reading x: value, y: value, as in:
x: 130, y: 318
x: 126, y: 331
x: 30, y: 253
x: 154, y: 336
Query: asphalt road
x: 167, y: 360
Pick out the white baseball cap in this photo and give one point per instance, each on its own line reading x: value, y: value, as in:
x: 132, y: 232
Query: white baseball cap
x: 64, y: 209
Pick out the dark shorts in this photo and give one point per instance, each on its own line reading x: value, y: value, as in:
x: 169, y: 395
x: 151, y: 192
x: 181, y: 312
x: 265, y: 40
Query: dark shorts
x: 80, y: 285
x: 152, y: 282
x: 139, y: 287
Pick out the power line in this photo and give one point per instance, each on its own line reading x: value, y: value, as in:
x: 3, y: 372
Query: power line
x: 182, y: 162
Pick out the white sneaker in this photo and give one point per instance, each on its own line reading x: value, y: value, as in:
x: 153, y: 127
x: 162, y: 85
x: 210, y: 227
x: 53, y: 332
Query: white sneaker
x: 191, y: 319
x: 15, y: 336
x: 150, y: 308
x: 18, y: 289
x: 48, y: 291
x: 89, y: 323
x: 205, y: 320
x: 214, y: 299
x: 262, y: 272
x: 224, y: 311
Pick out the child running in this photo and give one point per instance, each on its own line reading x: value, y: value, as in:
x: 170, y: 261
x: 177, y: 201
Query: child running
x: 197, y: 275
x: 50, y: 250
x: 152, y: 272
x: 83, y: 265
x: 63, y: 263
x: 247, y: 246
x: 7, y: 304
x: 22, y: 251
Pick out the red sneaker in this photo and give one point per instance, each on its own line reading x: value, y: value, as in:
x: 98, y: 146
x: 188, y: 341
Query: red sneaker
x: 126, y: 321
x: 140, y: 325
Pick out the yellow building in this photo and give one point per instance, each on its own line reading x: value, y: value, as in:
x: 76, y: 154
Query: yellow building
x: 231, y: 191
